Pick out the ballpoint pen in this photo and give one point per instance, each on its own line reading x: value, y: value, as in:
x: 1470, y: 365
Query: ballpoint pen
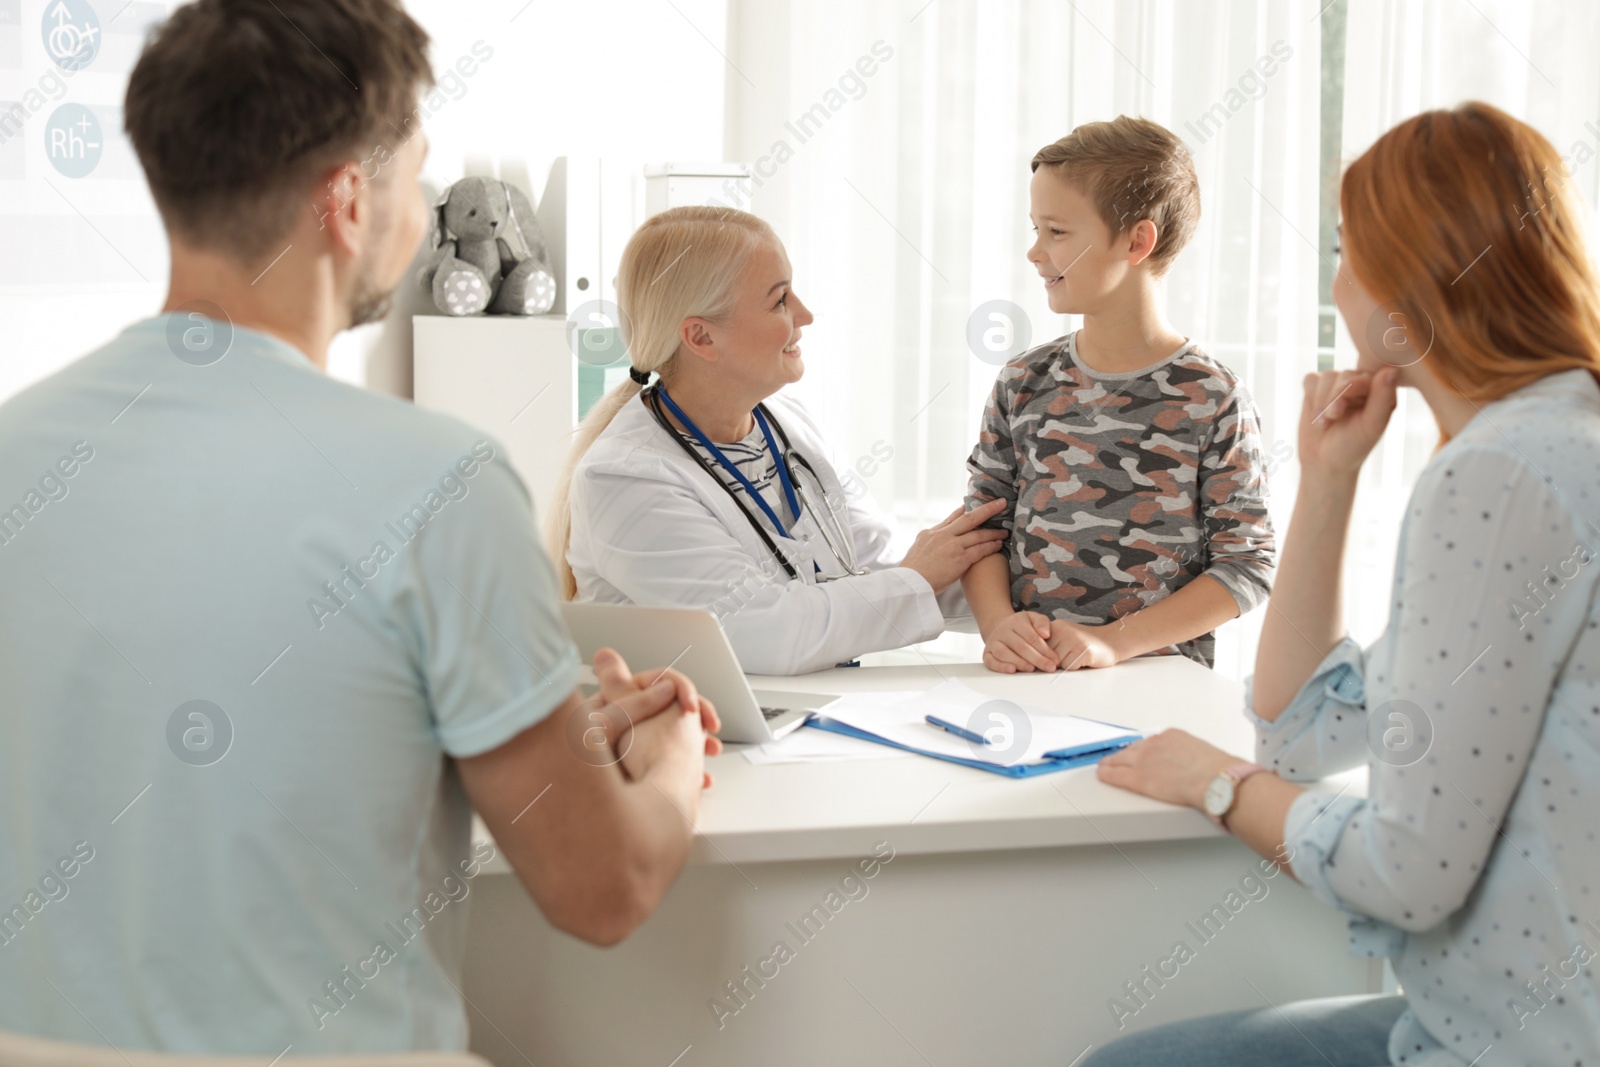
x: 960, y: 731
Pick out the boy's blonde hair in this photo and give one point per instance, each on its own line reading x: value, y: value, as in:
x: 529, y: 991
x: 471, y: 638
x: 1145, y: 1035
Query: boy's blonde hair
x: 1132, y: 169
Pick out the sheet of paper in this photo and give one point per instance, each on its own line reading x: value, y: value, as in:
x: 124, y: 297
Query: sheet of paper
x: 1016, y: 733
x: 807, y: 745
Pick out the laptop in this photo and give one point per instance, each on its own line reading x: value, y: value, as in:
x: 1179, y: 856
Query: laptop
x: 692, y: 642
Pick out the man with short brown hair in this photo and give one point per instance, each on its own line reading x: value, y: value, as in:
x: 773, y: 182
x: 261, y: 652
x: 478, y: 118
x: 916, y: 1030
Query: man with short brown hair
x: 247, y: 712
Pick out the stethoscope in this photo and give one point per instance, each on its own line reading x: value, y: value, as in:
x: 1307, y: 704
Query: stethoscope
x: 791, y: 464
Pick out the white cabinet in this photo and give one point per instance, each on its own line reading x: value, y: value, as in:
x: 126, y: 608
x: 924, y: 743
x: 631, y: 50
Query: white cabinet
x: 513, y: 378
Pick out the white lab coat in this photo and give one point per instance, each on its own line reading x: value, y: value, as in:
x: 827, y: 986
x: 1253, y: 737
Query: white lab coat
x: 649, y: 526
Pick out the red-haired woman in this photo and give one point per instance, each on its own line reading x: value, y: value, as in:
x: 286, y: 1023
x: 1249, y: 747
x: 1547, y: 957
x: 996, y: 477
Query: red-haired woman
x: 1472, y: 862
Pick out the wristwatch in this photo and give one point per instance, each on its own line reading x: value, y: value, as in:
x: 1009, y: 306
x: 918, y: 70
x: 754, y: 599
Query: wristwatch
x: 1224, y: 789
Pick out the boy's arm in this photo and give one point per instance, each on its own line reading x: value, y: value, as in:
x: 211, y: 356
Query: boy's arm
x: 1240, y: 545
x: 1196, y: 609
x: 992, y: 467
x: 987, y: 585
x: 1013, y: 641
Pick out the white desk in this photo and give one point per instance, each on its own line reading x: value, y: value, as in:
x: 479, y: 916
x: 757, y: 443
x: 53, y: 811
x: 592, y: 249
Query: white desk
x: 1011, y: 914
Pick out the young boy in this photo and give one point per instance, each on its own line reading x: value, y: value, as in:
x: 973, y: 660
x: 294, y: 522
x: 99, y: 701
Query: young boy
x: 1131, y: 459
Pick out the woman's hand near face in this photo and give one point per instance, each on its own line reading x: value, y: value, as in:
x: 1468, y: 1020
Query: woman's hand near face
x: 942, y: 553
x: 1342, y: 418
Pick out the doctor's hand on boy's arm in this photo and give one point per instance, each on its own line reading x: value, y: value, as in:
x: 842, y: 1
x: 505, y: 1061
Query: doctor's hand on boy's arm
x: 943, y: 553
x: 1013, y: 640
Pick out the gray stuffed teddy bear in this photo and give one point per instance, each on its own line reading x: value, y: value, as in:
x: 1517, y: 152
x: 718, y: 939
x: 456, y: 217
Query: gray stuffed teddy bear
x: 488, y: 253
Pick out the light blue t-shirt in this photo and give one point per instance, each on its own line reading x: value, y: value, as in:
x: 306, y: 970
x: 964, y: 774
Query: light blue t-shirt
x: 247, y: 613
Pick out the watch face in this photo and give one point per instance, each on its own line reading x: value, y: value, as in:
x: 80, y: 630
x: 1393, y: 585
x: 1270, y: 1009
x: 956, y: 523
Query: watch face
x: 1219, y: 796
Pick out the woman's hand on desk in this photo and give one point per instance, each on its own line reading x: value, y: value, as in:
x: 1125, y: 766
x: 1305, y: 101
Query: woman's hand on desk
x: 661, y: 715
x: 1174, y: 766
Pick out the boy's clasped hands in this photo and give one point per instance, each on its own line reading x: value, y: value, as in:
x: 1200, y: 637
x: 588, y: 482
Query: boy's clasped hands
x: 1025, y: 641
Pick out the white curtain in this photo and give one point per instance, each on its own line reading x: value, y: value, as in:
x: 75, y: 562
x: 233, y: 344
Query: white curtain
x: 908, y: 208
x: 1532, y: 58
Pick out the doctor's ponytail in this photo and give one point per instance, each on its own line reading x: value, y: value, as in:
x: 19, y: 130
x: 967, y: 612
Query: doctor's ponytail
x: 682, y: 263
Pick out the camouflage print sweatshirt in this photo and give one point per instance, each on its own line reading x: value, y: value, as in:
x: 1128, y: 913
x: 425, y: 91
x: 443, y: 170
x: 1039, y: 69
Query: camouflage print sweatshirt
x: 1124, y: 487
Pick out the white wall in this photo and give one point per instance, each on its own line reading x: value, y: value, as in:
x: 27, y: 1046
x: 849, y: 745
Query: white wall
x: 637, y: 79
x: 82, y: 254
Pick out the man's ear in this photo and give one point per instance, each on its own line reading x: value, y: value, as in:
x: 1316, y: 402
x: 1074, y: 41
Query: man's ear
x: 697, y: 338
x: 340, y: 201
x: 1142, y: 240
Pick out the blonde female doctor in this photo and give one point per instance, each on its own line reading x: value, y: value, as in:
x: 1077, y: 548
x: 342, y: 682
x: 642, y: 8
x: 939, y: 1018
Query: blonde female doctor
x: 707, y: 488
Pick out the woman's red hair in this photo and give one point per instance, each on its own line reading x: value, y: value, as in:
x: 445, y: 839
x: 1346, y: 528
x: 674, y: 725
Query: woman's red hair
x: 1464, y: 222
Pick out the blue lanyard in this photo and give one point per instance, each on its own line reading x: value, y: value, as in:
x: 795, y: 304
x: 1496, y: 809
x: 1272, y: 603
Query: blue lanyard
x: 782, y: 464
x: 716, y: 454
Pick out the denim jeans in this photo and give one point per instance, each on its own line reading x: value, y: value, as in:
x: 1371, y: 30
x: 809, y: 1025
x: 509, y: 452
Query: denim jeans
x: 1339, y: 1031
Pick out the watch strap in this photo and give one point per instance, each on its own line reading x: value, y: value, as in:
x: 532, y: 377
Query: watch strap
x: 1238, y: 772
